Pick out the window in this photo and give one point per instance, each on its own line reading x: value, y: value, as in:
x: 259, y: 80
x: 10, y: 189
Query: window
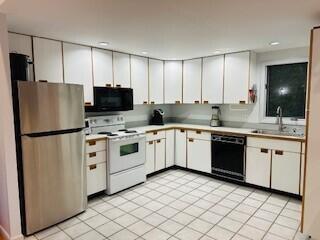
x: 286, y: 87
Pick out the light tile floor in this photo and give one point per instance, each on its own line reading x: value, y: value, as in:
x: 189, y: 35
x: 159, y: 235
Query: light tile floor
x: 181, y: 205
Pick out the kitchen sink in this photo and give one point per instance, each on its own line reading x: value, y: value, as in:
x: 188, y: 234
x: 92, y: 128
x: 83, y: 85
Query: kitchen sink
x: 280, y: 133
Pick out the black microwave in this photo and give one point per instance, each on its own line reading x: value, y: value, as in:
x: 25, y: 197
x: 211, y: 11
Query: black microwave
x: 112, y: 99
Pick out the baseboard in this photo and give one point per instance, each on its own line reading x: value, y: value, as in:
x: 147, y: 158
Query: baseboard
x: 5, y: 235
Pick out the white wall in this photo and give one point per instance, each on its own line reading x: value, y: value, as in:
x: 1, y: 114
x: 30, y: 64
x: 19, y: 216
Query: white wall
x: 241, y: 113
x: 9, y: 196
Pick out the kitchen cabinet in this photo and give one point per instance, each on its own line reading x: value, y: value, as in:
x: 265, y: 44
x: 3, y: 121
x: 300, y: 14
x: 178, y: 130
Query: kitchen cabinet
x: 236, y: 78
x: 212, y: 79
x: 181, y: 148
x: 170, y: 149
x: 48, y: 60
x: 150, y: 157
x: 258, y: 166
x: 160, y: 154
x: 285, y: 174
x: 121, y: 70
x: 199, y: 155
x: 156, y: 87
x: 78, y: 68
x: 192, y: 81
x: 102, y: 67
x: 139, y: 79
x: 172, y: 82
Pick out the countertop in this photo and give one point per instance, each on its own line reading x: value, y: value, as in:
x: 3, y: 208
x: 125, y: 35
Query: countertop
x: 217, y: 130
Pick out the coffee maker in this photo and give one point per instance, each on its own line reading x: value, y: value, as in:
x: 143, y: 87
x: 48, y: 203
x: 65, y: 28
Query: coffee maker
x: 215, y: 118
x: 157, y: 117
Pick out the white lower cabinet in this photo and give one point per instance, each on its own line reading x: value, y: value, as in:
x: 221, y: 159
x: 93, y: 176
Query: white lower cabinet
x: 170, y: 149
x: 285, y: 174
x: 150, y: 154
x: 160, y: 154
x: 181, y: 148
x: 96, y: 178
x: 258, y: 166
x: 199, y: 155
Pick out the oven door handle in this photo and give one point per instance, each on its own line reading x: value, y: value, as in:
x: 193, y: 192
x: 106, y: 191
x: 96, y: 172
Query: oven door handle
x: 238, y: 141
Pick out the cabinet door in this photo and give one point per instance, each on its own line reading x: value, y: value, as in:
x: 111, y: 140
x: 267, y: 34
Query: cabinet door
x: 212, y: 79
x: 236, y: 77
x: 181, y: 148
x: 160, y: 154
x: 303, y: 159
x: 192, y: 81
x: 156, y: 81
x: 102, y: 67
x: 258, y: 166
x: 139, y: 79
x: 173, y: 82
x: 285, y: 174
x: 170, y: 140
x: 121, y: 70
x: 150, y: 157
x: 96, y: 178
x: 199, y: 155
x: 48, y: 60
x: 78, y: 68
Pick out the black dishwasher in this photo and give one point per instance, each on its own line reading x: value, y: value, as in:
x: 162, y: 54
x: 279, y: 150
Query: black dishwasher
x: 228, y: 156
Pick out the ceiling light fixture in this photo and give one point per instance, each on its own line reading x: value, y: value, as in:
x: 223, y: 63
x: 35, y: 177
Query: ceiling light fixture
x: 274, y: 43
x: 144, y: 52
x: 103, y: 43
x: 217, y: 52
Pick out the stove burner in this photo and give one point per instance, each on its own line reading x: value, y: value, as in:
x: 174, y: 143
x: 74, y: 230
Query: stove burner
x: 123, y: 130
x: 130, y: 131
x: 108, y: 134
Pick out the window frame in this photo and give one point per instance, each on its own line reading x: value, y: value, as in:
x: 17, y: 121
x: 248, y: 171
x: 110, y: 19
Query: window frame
x: 263, y: 92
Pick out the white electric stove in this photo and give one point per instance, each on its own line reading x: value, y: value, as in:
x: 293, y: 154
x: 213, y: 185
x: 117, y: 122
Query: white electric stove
x: 126, y: 154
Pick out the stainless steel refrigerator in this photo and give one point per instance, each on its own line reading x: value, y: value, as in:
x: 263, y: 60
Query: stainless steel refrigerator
x: 52, y: 177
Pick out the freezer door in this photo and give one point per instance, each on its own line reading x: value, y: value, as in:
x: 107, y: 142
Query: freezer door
x: 54, y: 179
x: 46, y: 107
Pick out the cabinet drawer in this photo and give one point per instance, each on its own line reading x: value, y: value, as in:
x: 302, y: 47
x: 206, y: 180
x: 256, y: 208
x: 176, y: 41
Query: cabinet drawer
x: 96, y: 157
x: 96, y: 145
x: 283, y: 145
x: 96, y: 178
x: 199, y: 135
x: 156, y: 135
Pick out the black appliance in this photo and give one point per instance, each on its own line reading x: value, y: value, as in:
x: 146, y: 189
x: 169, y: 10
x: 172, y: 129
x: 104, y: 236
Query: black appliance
x: 157, y: 117
x: 19, y: 65
x: 228, y: 156
x: 111, y: 99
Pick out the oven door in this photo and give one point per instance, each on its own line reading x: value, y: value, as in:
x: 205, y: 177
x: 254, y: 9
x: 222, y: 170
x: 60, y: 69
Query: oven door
x: 126, y: 154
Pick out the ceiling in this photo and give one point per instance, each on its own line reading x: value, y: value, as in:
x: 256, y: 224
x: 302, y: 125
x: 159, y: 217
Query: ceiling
x: 168, y: 29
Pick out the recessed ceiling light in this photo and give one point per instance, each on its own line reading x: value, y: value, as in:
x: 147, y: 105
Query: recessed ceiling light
x: 144, y: 52
x: 103, y: 43
x: 274, y: 43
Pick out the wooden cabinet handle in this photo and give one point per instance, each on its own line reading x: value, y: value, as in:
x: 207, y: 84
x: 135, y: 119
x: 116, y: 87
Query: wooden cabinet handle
x: 145, y: 102
x: 93, y: 166
x: 152, y: 102
x: 279, y: 152
x: 150, y: 142
x: 91, y: 143
x: 196, y: 102
x: 264, y: 150
x: 87, y: 104
x: 182, y: 130
x: 198, y: 132
x: 159, y: 140
x: 155, y: 133
x: 205, y: 102
x: 118, y: 85
x: 108, y: 85
x: 191, y: 139
x: 91, y: 155
x: 242, y: 102
x: 177, y: 102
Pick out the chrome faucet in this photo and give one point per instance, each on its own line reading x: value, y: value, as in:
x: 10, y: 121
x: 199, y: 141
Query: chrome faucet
x: 279, y: 119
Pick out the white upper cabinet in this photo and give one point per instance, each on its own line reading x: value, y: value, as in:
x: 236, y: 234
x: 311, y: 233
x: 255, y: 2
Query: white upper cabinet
x: 102, y: 67
x: 121, y: 69
x: 192, y: 81
x: 236, y: 78
x: 212, y: 79
x: 173, y: 82
x: 78, y: 68
x: 139, y: 79
x: 156, y: 81
x: 48, y: 60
